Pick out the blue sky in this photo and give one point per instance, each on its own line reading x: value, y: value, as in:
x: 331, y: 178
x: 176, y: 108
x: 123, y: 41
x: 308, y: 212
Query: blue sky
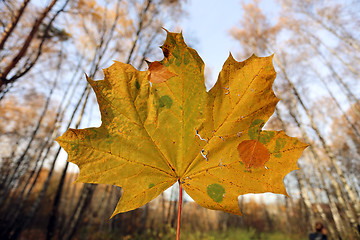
x: 208, y: 25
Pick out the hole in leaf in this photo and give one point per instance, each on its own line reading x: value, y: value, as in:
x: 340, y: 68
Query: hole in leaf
x: 204, y: 154
x: 221, y: 165
x: 197, y: 134
x: 228, y: 90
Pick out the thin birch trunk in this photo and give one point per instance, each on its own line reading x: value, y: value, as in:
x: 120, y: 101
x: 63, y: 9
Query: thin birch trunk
x: 349, y: 94
x: 55, y: 208
x: 338, y: 104
x: 332, y: 51
x: 348, y: 41
x: 107, y: 194
x: 10, y: 177
x: 319, y: 170
x: 11, y: 26
x: 301, y: 184
x: 327, y: 149
x: 142, y: 16
x: 82, y: 204
x: 25, y: 46
x: 20, y: 224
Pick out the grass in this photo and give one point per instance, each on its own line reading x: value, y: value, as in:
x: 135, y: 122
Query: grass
x: 230, y: 234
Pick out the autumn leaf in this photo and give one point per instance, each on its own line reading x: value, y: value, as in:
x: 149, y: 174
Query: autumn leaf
x: 172, y: 129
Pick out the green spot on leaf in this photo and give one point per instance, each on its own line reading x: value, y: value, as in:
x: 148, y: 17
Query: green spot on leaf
x: 165, y: 62
x: 137, y: 85
x: 151, y: 185
x: 176, y: 52
x: 280, y: 143
x: 216, y: 192
x: 255, y: 128
x: 108, y: 141
x: 178, y: 61
x: 165, y: 101
x: 75, y: 148
x: 265, y: 137
x: 170, y: 39
x: 186, y: 58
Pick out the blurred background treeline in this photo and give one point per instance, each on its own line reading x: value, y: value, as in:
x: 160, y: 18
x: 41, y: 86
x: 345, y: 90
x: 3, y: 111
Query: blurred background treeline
x: 47, y: 46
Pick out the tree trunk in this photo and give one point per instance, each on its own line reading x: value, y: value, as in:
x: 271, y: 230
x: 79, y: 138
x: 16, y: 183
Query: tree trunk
x: 322, y: 169
x: 11, y: 26
x: 25, y: 46
x: 108, y: 194
x: 55, y: 208
x: 51, y: 227
x: 142, y: 16
x: 9, y: 180
x: 328, y: 151
x: 338, y: 104
x: 20, y: 224
x: 83, y: 202
x: 340, y: 37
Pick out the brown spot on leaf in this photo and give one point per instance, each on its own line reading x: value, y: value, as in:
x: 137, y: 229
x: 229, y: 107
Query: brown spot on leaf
x: 159, y: 73
x: 253, y: 153
x: 165, y: 51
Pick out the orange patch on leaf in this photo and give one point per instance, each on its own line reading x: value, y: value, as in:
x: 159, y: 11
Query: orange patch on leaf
x: 159, y: 73
x: 253, y: 153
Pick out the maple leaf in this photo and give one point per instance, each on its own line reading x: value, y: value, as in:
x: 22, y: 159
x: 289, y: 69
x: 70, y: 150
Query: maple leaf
x: 153, y: 135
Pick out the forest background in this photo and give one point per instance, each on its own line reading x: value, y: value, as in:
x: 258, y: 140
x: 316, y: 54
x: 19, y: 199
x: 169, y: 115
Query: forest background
x: 47, y: 46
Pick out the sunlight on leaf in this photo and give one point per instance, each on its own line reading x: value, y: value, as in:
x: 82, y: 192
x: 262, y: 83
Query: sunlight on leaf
x: 153, y: 135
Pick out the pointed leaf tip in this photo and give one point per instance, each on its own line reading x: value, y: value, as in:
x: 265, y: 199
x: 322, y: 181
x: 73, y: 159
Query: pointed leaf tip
x: 165, y: 30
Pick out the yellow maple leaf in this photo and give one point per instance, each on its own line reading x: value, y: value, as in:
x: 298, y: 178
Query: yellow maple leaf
x: 153, y: 135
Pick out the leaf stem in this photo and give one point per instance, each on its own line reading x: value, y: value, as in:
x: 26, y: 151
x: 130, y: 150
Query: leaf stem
x: 179, y: 212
